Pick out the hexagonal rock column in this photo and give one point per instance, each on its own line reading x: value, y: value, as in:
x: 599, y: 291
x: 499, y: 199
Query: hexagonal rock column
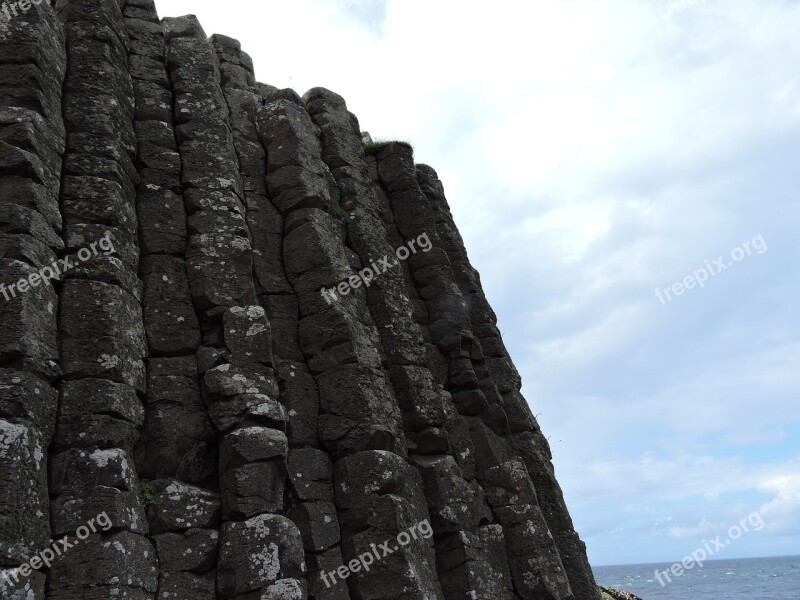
x: 428, y: 412
x: 235, y: 361
x: 178, y: 440
x: 535, y: 563
x: 342, y: 349
x: 32, y: 138
x: 101, y: 332
x: 184, y: 520
x: 382, y: 505
x: 526, y: 434
x: 358, y: 409
x: 32, y: 59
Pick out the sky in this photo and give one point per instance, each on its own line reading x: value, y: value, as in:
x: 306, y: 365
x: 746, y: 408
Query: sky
x: 625, y: 176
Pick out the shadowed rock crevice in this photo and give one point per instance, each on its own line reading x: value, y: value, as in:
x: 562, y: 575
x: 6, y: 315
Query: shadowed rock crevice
x: 278, y: 361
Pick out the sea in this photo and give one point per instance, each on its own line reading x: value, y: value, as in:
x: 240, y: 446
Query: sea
x: 740, y: 579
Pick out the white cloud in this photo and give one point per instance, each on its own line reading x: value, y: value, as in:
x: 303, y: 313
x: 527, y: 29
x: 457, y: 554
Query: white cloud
x: 782, y: 513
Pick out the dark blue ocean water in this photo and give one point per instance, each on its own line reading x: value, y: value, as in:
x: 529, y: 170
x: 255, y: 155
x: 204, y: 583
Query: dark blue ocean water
x: 744, y: 579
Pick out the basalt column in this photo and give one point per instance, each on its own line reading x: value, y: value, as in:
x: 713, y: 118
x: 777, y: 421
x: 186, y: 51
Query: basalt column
x: 456, y: 505
x: 177, y: 452
x: 260, y: 552
x: 526, y: 434
x: 309, y: 495
x: 32, y: 66
x: 535, y: 564
x: 378, y: 493
x: 101, y: 334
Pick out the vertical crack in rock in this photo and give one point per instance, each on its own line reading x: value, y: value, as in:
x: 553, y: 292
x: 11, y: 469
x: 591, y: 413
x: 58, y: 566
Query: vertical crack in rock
x: 234, y: 394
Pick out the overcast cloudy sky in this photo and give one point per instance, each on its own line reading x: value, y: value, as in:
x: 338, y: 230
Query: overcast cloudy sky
x: 593, y: 152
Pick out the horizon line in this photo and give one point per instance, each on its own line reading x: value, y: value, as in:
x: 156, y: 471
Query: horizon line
x: 704, y: 562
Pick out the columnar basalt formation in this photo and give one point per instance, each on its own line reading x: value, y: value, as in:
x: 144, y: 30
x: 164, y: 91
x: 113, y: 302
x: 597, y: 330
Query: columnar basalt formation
x: 219, y: 377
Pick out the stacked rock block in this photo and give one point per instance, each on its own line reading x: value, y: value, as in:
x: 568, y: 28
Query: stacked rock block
x: 246, y: 426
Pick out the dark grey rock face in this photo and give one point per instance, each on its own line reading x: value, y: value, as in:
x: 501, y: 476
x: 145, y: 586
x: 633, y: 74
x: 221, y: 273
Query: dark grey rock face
x: 219, y: 377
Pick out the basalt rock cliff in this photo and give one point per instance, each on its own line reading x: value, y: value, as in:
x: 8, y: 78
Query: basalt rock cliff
x: 217, y: 405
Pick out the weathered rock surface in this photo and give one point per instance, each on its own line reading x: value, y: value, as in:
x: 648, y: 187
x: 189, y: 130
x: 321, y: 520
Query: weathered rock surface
x: 617, y: 594
x: 241, y: 358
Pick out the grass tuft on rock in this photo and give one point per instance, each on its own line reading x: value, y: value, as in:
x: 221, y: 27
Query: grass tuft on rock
x: 372, y: 148
x: 147, y: 495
